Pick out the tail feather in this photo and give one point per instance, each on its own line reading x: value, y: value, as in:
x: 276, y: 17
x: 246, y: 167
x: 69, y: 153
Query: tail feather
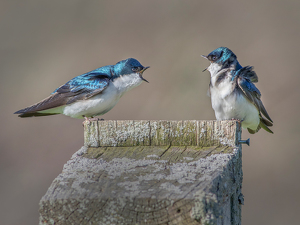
x: 264, y: 123
x: 36, y: 114
x: 52, y: 101
x: 265, y: 127
x: 253, y: 131
x: 49, y: 105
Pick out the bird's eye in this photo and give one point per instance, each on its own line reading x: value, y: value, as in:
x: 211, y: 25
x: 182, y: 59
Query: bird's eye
x: 136, y: 69
x: 212, y: 58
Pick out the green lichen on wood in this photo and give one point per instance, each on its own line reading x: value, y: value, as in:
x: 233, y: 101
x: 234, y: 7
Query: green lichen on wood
x: 154, y: 172
x: 160, y: 133
x: 172, y: 154
x: 91, y: 133
x: 183, y: 133
x: 134, y: 152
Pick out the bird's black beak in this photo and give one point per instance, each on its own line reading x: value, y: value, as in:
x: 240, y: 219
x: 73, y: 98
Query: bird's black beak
x: 141, y: 73
x: 204, y: 56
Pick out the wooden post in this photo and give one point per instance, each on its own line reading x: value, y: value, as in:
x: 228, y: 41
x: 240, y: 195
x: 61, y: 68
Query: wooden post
x: 150, y: 172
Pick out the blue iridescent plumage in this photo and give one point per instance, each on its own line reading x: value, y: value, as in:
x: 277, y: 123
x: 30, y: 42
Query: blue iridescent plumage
x: 247, y: 85
x: 233, y: 93
x: 92, y: 93
x: 96, y: 79
x: 125, y: 67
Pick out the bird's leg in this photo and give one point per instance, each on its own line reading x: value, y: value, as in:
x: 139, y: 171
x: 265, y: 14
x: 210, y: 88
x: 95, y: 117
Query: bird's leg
x: 87, y: 120
x: 238, y: 120
x: 96, y: 119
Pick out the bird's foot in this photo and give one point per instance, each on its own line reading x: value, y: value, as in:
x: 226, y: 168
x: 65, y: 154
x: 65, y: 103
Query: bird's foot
x: 237, y: 120
x: 86, y: 121
x: 97, y: 119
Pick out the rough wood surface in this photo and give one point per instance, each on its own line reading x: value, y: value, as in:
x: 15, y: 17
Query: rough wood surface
x: 159, y: 172
x: 159, y: 133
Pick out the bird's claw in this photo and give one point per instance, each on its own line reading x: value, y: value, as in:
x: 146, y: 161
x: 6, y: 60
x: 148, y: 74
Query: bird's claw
x: 86, y: 121
x: 237, y: 120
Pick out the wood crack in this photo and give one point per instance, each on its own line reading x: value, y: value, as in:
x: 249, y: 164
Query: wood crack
x: 165, y: 151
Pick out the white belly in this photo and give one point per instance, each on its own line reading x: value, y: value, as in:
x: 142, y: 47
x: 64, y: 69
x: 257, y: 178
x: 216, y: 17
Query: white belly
x: 97, y: 105
x: 232, y: 105
x: 101, y: 103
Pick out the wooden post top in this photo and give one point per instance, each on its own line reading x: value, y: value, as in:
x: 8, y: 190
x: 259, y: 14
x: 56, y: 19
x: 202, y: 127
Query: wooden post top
x: 150, y: 172
x: 126, y: 133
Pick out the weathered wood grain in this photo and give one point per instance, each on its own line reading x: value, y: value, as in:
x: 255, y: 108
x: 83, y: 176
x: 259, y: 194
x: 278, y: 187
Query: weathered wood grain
x: 150, y: 172
x: 159, y: 133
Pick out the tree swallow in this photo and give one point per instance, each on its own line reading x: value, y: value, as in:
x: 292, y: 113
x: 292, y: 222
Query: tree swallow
x: 90, y: 94
x: 233, y: 94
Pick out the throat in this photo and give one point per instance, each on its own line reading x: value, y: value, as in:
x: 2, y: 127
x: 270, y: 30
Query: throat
x: 214, y: 69
x: 221, y: 86
x: 127, y: 82
x: 219, y: 73
x: 222, y: 77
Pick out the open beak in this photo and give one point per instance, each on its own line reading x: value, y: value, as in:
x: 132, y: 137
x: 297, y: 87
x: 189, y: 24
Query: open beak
x: 141, y: 73
x: 204, y: 56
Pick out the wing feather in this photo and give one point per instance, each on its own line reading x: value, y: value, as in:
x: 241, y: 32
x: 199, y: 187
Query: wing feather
x: 245, y: 77
x: 79, y: 88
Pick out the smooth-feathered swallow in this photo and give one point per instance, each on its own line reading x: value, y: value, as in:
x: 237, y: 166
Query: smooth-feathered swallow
x: 233, y: 94
x: 90, y: 94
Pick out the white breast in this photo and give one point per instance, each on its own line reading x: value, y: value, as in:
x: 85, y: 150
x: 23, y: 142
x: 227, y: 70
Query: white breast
x: 222, y: 99
x: 127, y: 82
x: 105, y: 101
x: 229, y: 104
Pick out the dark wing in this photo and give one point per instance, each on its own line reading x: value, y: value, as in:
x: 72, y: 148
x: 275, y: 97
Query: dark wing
x: 245, y: 84
x: 83, y: 87
x: 79, y: 88
x: 248, y: 73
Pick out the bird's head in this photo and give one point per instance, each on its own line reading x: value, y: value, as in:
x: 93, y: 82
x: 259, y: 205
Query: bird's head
x: 221, y: 58
x: 129, y: 66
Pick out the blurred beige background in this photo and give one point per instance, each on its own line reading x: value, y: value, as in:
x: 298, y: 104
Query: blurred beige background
x: 43, y: 44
